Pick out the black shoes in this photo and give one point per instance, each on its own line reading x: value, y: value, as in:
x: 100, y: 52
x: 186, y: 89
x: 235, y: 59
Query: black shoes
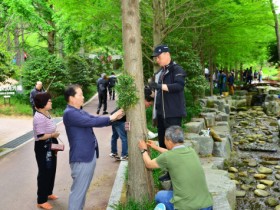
x: 97, y: 111
x: 105, y: 112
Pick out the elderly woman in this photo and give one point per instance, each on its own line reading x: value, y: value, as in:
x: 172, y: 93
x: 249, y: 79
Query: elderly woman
x: 44, y: 133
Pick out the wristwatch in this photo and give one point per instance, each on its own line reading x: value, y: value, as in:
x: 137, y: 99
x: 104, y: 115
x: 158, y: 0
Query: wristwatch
x: 143, y: 150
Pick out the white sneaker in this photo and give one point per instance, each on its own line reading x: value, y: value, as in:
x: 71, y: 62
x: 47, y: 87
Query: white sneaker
x: 114, y: 155
x: 152, y: 135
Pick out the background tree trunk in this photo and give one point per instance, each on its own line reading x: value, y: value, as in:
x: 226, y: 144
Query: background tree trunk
x: 140, y: 182
x: 159, y: 7
x: 276, y: 26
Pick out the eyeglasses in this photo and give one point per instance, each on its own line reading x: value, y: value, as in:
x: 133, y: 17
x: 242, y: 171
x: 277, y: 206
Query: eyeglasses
x: 49, y: 100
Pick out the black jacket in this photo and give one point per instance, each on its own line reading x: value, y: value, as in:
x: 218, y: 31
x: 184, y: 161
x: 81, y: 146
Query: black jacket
x: 171, y: 103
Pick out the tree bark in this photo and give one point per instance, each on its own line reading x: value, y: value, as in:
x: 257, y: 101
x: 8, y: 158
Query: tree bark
x: 17, y: 46
x: 159, y: 24
x: 140, y: 182
x: 276, y: 26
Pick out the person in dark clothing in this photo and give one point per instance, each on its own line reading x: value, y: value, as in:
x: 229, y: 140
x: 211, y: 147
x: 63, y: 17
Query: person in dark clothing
x: 102, y: 86
x: 111, y: 87
x: 231, y: 83
x: 222, y: 82
x: 169, y: 104
x: 249, y: 76
x: 37, y: 89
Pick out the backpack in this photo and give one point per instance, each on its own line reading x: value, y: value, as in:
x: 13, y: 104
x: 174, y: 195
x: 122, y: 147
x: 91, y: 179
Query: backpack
x: 101, y: 88
x: 112, y: 81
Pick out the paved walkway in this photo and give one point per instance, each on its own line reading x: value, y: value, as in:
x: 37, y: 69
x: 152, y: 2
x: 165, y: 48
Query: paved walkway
x: 18, y: 183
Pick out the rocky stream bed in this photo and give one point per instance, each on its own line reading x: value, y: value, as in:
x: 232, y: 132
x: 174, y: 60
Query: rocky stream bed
x: 254, y: 164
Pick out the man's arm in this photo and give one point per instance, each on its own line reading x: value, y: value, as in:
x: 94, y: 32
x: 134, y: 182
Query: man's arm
x: 147, y: 160
x: 152, y: 144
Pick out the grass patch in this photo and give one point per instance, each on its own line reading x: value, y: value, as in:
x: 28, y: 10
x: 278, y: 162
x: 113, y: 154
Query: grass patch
x: 134, y: 205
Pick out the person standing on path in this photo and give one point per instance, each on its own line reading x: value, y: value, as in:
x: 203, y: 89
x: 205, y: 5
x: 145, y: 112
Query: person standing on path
x: 169, y: 104
x: 118, y: 129
x: 37, y: 89
x: 44, y: 133
x: 231, y: 83
x: 83, y: 143
x: 102, y: 86
x: 111, y: 87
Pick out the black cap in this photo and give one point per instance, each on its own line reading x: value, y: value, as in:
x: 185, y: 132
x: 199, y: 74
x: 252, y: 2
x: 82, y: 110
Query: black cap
x: 160, y: 49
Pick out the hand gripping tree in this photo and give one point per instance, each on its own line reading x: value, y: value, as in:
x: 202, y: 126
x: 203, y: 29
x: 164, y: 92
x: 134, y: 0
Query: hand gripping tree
x: 131, y: 97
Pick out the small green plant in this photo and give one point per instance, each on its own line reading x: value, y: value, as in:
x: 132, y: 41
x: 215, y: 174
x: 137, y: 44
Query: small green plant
x: 127, y: 92
x: 134, y: 205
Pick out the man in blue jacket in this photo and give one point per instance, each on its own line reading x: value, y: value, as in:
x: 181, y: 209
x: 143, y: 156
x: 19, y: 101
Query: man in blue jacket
x: 83, y: 143
x: 169, y: 104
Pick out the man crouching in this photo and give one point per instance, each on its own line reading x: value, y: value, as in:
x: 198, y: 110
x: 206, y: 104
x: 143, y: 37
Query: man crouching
x: 190, y: 191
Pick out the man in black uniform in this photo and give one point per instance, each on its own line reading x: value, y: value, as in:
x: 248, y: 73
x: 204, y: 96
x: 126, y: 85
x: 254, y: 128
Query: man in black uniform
x: 169, y: 104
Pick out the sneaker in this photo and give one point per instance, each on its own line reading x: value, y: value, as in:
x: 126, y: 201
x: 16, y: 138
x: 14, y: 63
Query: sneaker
x: 160, y: 206
x: 97, y: 111
x: 105, y: 112
x: 152, y: 135
x: 123, y: 158
x: 114, y: 155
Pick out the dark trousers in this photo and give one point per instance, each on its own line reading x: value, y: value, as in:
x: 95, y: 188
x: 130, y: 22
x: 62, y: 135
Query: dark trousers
x: 112, y: 93
x: 102, y: 99
x: 46, y: 170
x: 163, y: 124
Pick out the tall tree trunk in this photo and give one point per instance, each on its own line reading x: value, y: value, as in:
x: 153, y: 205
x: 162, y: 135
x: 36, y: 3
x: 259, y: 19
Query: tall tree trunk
x: 276, y: 26
x: 211, y: 71
x: 159, y: 23
x: 17, y: 46
x: 51, y: 36
x: 51, y: 39
x: 140, y: 182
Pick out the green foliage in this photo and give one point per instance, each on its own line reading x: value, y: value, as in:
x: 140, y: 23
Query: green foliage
x: 78, y: 70
x: 46, y: 68
x: 193, y: 107
x: 149, y: 117
x: 18, y: 106
x: 7, y: 69
x: 195, y: 80
x: 127, y: 94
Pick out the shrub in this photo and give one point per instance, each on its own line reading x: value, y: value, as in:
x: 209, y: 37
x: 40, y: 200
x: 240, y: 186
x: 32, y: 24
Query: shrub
x: 47, y: 68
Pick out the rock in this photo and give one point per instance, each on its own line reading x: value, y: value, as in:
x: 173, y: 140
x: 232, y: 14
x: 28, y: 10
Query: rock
x: 265, y: 170
x: 252, y: 163
x: 261, y: 186
x: 231, y: 175
x: 233, y: 169
x: 261, y: 193
x: 277, y: 207
x: 271, y: 202
x: 267, y: 182
x: 240, y: 193
x: 277, y: 176
x: 246, y: 187
x: 243, y: 174
x: 194, y: 127
x: 260, y: 176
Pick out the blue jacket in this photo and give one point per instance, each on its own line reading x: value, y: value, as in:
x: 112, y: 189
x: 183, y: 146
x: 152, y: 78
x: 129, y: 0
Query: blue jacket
x: 82, y: 140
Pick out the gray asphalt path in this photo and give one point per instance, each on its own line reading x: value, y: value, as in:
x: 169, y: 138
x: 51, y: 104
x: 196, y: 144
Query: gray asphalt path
x: 18, y: 169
